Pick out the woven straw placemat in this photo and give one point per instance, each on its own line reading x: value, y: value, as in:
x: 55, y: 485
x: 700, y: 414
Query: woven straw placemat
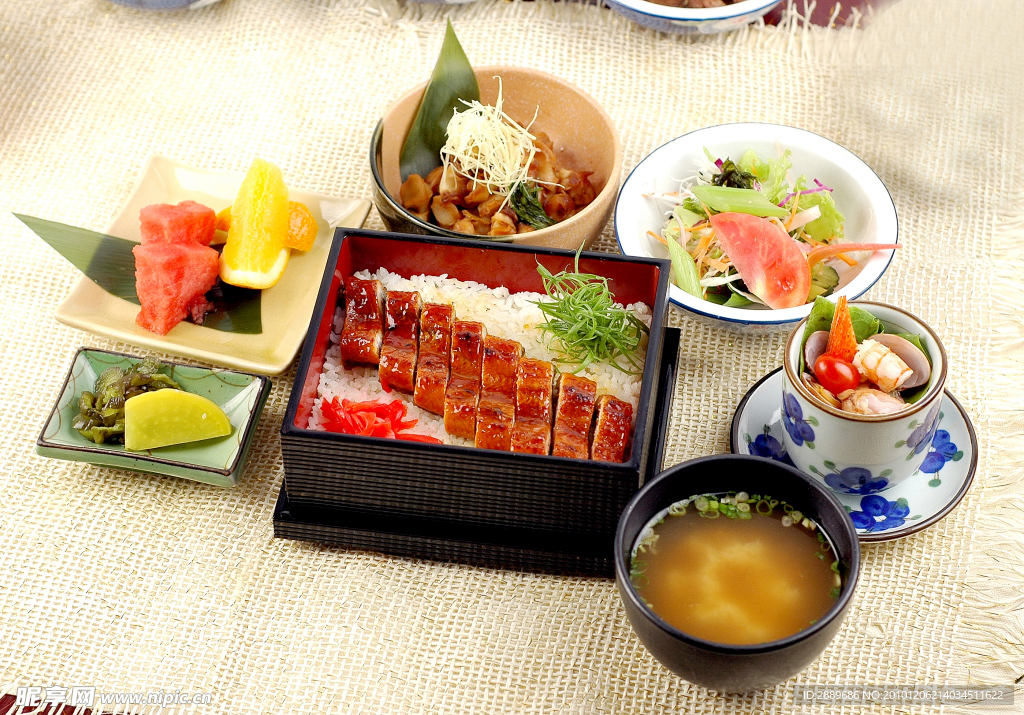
x: 137, y: 583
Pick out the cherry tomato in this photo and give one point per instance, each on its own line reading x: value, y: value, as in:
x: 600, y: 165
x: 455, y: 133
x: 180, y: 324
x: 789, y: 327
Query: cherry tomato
x: 836, y: 374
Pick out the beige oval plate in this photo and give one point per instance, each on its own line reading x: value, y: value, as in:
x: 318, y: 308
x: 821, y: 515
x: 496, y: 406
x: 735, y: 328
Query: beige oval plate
x: 286, y: 308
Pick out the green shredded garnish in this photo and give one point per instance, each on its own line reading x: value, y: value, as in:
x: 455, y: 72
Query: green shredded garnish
x: 525, y: 201
x: 585, y: 323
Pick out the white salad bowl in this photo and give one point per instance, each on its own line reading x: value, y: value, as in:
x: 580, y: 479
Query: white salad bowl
x: 693, y: 21
x: 861, y: 454
x: 870, y: 214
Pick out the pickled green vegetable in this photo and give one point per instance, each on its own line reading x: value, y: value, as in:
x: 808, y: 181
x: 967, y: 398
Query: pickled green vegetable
x: 100, y: 415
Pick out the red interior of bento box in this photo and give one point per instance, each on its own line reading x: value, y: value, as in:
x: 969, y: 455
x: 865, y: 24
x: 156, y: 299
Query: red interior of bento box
x: 516, y: 270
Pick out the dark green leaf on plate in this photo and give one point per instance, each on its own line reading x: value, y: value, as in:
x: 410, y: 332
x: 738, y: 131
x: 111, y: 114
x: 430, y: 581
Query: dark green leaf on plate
x: 106, y: 260
x: 109, y: 263
x: 452, y: 80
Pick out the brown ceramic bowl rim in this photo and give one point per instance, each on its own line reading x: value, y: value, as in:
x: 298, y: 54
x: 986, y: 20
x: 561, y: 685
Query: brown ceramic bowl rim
x: 611, y: 186
x: 936, y: 388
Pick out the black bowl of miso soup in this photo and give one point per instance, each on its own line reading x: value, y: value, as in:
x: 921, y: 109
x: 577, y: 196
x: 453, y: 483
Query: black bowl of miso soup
x: 735, y: 571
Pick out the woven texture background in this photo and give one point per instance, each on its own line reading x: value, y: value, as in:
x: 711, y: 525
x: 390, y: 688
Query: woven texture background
x: 136, y: 583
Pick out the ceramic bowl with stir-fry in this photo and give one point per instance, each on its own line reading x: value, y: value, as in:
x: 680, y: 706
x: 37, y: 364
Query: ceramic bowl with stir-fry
x: 759, y: 220
x: 574, y: 170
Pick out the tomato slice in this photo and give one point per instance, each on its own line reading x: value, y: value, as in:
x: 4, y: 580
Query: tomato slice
x: 836, y: 374
x: 768, y: 260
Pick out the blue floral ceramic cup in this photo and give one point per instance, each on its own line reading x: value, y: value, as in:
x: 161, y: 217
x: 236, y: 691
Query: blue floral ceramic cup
x: 861, y: 454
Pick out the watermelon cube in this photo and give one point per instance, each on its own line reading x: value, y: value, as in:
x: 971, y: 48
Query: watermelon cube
x: 171, y: 280
x: 188, y: 222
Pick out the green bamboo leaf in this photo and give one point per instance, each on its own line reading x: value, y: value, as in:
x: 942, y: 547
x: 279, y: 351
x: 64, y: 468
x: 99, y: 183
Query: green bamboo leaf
x: 453, y: 79
x: 108, y: 262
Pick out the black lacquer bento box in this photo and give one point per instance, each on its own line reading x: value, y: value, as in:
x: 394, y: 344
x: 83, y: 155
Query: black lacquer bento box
x: 447, y: 502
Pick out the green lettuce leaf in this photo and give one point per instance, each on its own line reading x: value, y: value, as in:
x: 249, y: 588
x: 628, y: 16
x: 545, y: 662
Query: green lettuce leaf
x: 737, y: 301
x: 829, y: 224
x: 687, y: 217
x: 752, y: 164
x: 693, y: 206
x: 864, y: 323
x: 775, y: 186
x: 918, y: 343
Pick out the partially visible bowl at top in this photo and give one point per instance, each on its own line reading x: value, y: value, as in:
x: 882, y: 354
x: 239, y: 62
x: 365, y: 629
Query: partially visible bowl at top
x: 696, y: 20
x: 166, y: 4
x: 582, y: 132
x: 870, y: 214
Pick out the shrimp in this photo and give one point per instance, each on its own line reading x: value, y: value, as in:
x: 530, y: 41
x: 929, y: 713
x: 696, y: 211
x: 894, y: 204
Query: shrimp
x: 881, y: 366
x: 869, y: 401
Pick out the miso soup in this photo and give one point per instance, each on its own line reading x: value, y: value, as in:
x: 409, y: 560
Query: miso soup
x: 737, y: 569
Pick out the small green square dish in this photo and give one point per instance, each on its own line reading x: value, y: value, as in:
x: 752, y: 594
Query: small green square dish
x: 217, y: 461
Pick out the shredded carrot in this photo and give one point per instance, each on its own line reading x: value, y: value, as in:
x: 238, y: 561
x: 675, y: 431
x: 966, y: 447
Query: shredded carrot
x: 792, y: 213
x: 702, y: 249
x: 846, y: 259
x: 718, y: 265
x: 652, y: 234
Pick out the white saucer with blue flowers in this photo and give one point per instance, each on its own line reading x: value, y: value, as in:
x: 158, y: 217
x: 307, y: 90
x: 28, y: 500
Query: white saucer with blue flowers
x: 913, y: 505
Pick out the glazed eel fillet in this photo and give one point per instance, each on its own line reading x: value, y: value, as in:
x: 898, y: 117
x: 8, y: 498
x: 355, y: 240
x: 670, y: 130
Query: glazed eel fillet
x: 463, y: 392
x: 484, y: 387
x: 496, y: 412
x: 363, y: 334
x: 611, y: 429
x: 435, y: 348
x: 576, y: 396
x: 535, y: 381
x: 399, y: 351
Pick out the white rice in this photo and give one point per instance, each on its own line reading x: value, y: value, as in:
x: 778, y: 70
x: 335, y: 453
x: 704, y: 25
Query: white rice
x: 511, y: 316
